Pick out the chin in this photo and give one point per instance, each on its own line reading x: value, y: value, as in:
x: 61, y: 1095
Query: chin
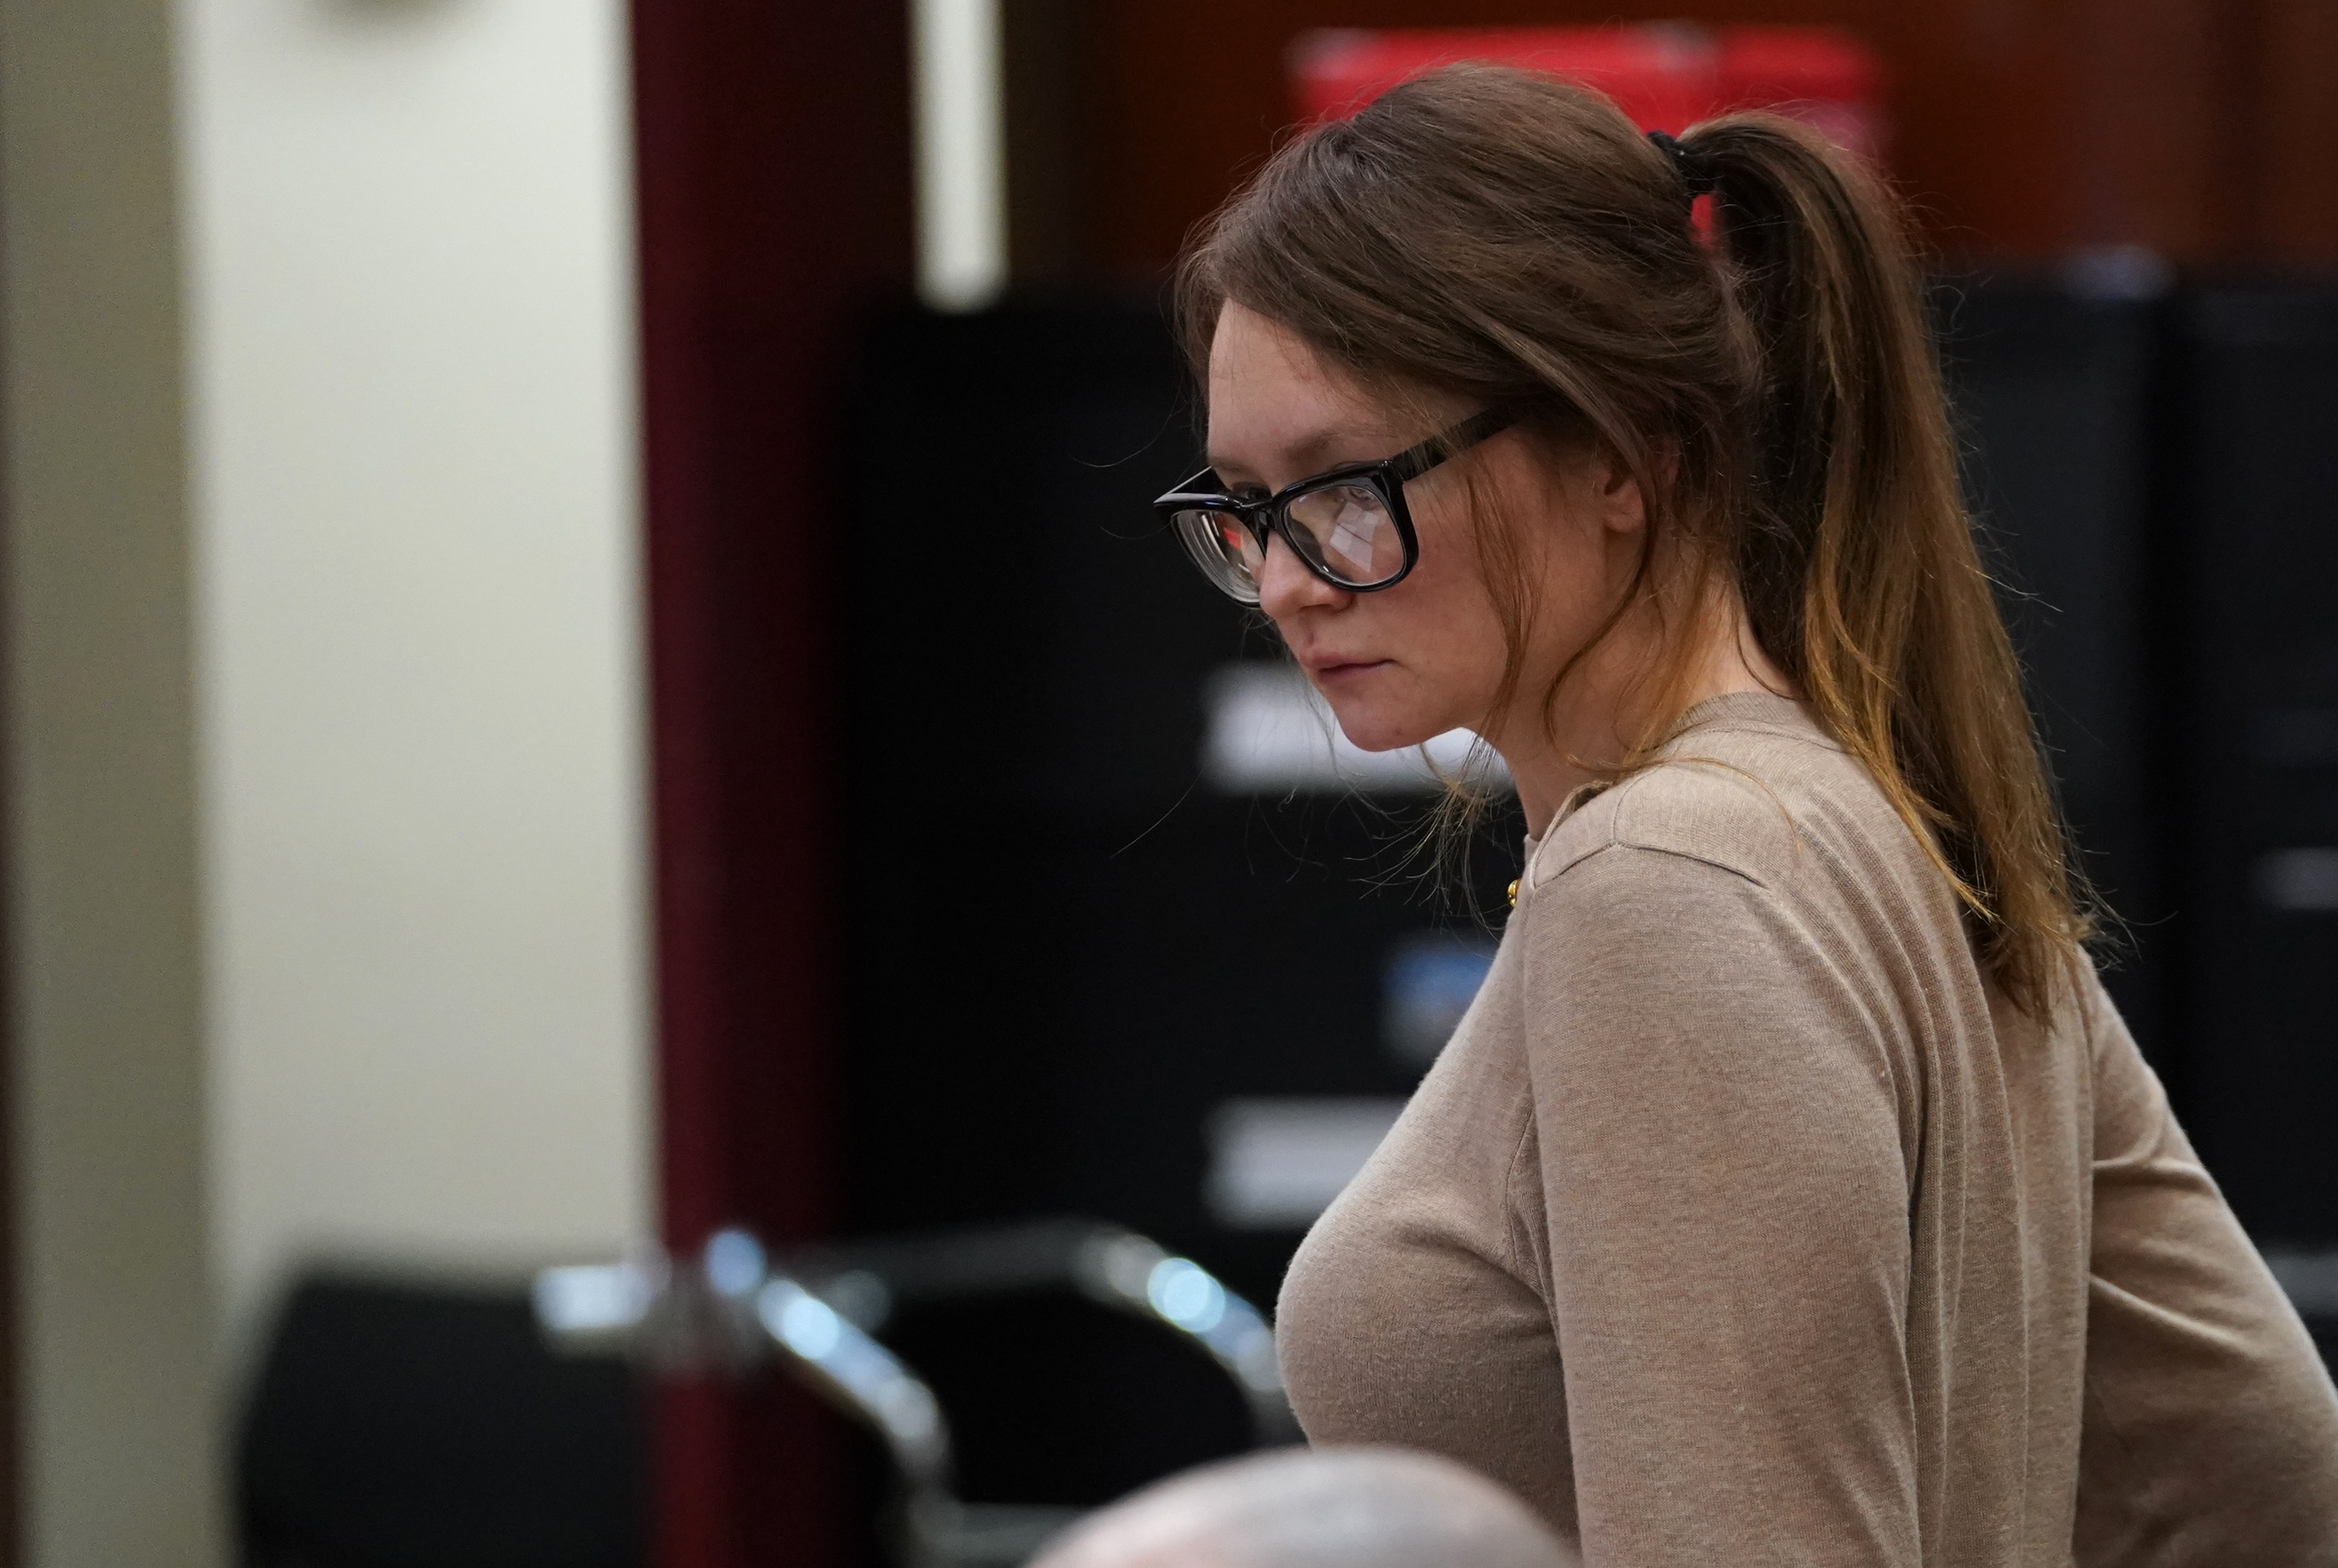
x: 1380, y: 731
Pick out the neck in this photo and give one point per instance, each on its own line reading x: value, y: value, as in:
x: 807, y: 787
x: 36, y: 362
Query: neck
x: 1607, y: 702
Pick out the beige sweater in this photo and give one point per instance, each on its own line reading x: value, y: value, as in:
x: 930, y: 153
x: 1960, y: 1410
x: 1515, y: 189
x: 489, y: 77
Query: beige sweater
x: 1741, y: 1223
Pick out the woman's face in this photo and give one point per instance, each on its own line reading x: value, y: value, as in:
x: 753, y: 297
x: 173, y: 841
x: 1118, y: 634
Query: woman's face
x: 1411, y: 662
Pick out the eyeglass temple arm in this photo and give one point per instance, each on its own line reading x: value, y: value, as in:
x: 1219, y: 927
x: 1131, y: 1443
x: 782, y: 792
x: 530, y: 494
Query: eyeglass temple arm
x: 1413, y: 462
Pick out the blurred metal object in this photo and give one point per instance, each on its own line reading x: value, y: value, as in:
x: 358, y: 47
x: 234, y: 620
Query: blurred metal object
x: 734, y: 1314
x: 814, y: 1313
x: 671, y: 1320
x: 1123, y: 1270
x: 1113, y: 1266
x: 863, y: 1376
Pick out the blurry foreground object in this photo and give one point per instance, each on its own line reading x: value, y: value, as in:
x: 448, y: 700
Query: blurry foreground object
x: 1323, y: 1508
x: 1665, y: 76
x: 817, y: 1316
x: 402, y: 1425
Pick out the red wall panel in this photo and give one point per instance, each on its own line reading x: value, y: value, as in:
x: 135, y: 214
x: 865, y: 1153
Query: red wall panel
x: 773, y: 175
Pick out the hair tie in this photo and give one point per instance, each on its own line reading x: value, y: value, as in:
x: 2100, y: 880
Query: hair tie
x: 1695, y: 167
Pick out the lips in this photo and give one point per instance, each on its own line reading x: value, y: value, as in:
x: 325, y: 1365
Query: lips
x: 1335, y: 668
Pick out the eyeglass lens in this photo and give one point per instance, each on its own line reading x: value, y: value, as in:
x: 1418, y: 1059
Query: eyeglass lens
x: 1223, y: 549
x: 1344, y: 531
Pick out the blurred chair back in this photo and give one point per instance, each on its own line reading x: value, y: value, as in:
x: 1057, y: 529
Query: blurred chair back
x: 401, y: 1426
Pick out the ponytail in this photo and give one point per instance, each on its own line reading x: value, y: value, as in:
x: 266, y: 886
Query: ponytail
x: 1505, y: 238
x: 1856, y: 558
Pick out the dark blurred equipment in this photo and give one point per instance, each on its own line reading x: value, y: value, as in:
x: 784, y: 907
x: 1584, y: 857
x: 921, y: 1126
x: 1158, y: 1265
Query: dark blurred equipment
x: 2156, y: 473
x: 817, y: 1313
x: 1088, y: 970
x: 399, y: 1426
x: 2257, y: 749
x: 2058, y: 379
x: 1084, y: 944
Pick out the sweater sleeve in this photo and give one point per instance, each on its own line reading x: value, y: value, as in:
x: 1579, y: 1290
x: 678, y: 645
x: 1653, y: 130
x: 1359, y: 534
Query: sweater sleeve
x: 1727, y: 1200
x: 2211, y: 1433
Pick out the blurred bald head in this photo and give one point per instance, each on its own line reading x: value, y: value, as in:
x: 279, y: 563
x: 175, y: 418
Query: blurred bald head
x: 1315, y: 1508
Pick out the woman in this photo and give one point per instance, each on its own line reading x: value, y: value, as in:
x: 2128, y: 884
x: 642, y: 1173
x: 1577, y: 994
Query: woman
x: 1791, y: 1193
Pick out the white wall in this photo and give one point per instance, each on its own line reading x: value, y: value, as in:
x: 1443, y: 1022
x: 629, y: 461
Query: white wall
x: 408, y: 230
x: 325, y: 906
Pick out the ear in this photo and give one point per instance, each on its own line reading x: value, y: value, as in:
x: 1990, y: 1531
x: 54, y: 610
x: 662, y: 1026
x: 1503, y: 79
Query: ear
x: 1616, y: 497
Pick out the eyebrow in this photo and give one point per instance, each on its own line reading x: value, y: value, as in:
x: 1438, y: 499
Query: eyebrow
x: 1304, y: 455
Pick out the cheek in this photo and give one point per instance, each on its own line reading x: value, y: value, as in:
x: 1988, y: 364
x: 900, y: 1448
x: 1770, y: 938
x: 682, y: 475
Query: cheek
x: 1553, y: 582
x: 1440, y: 624
x: 1453, y: 626
x: 1572, y: 597
x: 1455, y: 637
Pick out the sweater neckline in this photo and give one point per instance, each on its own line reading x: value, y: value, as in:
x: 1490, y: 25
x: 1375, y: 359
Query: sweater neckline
x: 1730, y: 708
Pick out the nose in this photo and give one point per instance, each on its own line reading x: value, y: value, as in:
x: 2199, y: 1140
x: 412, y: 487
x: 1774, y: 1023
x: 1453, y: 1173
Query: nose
x: 1285, y: 586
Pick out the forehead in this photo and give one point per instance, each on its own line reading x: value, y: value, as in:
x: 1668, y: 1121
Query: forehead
x: 1271, y: 392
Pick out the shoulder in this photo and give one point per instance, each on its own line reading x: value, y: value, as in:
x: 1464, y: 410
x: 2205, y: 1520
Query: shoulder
x: 1729, y: 889
x: 1740, y: 793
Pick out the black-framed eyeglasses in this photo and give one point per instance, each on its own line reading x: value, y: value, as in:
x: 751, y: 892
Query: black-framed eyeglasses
x: 1348, y: 526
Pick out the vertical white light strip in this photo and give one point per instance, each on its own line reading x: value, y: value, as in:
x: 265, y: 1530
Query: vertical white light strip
x: 961, y: 153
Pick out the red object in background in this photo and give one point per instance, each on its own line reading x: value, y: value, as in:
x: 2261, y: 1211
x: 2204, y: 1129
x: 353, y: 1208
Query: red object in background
x: 1828, y: 80
x: 1665, y: 77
